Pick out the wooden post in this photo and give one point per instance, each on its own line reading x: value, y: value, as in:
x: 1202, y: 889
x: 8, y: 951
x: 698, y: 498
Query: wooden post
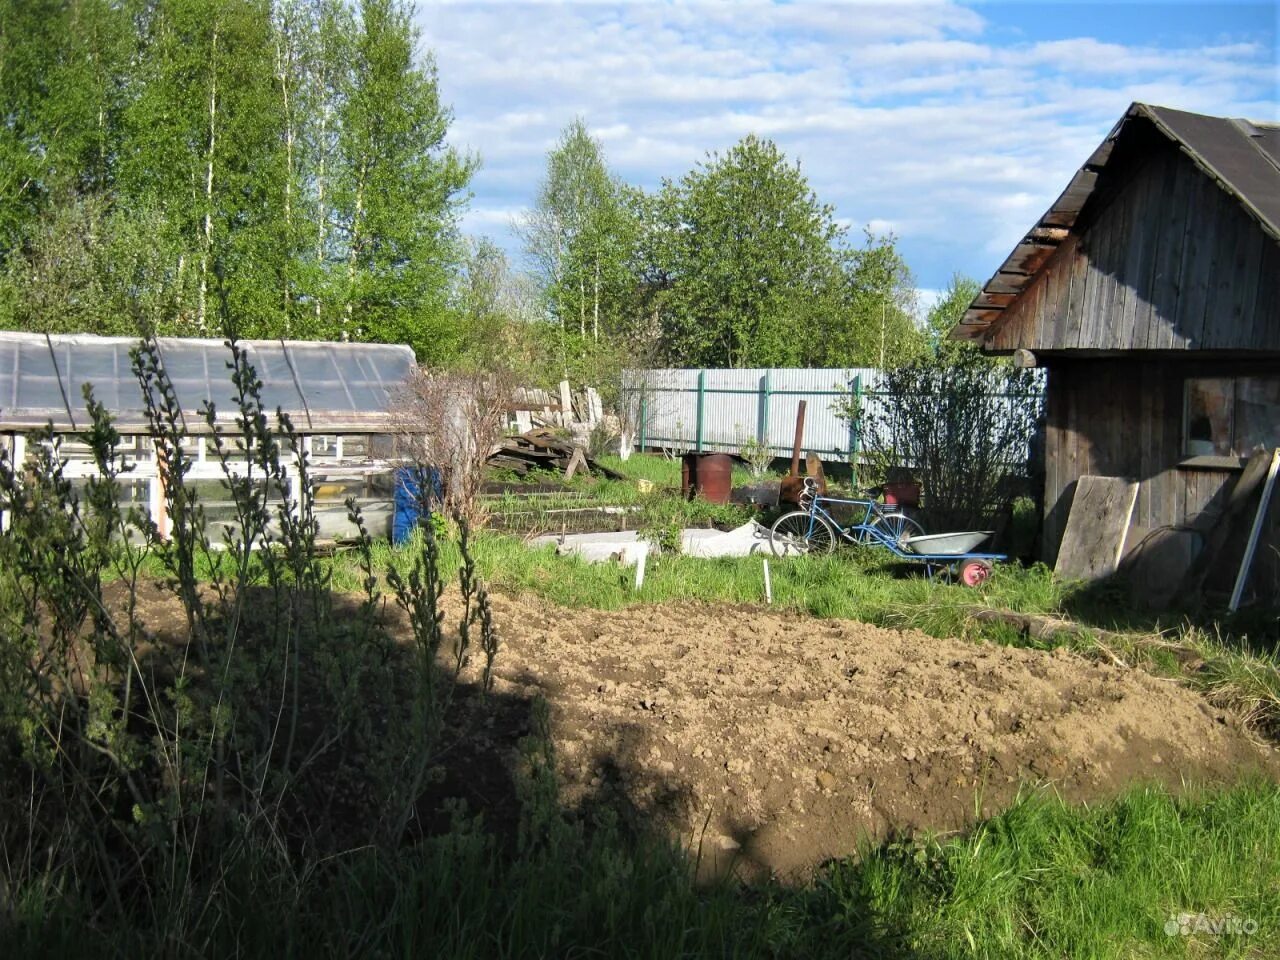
x: 644, y: 416
x: 795, y: 447
x: 768, y: 585
x: 762, y: 408
x: 855, y: 425
x: 566, y: 404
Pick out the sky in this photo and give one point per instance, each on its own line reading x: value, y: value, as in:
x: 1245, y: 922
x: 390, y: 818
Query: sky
x: 952, y: 125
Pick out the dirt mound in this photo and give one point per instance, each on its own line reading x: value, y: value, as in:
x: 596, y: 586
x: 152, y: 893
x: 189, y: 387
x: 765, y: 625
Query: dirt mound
x: 791, y: 738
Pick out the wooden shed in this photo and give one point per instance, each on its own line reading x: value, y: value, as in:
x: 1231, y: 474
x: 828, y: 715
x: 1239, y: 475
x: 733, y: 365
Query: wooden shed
x: 1150, y: 292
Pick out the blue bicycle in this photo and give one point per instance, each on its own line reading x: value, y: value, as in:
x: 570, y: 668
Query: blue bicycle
x: 812, y: 528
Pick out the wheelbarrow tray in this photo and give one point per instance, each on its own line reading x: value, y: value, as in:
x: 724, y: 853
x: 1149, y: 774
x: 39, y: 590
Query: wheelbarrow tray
x: 946, y: 544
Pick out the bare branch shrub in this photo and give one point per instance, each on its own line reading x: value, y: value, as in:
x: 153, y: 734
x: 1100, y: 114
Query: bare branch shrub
x: 959, y: 424
x: 451, y: 421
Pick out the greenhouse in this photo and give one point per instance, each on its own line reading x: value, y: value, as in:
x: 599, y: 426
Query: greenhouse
x: 340, y: 397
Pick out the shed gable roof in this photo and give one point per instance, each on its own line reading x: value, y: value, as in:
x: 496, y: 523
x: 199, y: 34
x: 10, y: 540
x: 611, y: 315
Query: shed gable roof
x: 1242, y: 157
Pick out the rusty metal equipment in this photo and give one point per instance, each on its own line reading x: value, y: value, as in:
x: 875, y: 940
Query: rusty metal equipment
x: 709, y: 475
x: 793, y: 485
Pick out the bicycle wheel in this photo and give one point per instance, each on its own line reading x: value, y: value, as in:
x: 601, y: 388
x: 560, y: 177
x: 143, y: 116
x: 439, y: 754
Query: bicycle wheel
x: 797, y: 533
x: 895, y: 526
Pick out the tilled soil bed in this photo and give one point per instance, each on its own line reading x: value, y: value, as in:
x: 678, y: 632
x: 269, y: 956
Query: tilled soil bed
x: 777, y: 740
x: 773, y: 741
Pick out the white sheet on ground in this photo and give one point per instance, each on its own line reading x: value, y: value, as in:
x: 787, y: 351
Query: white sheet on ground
x: 626, y: 547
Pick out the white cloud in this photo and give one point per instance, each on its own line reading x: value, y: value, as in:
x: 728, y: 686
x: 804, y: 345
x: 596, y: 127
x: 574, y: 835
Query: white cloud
x: 922, y: 116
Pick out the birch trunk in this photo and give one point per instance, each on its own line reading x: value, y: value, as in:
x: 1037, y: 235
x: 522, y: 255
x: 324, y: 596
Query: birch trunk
x: 355, y: 247
x: 321, y: 214
x: 283, y: 63
x: 201, y: 307
x: 595, y: 305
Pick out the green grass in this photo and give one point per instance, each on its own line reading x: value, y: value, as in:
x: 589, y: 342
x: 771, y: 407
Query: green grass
x: 663, y: 471
x: 847, y: 584
x: 1044, y: 879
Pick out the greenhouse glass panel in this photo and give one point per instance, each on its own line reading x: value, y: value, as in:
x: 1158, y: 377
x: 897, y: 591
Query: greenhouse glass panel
x: 36, y: 391
x: 42, y: 376
x: 279, y: 390
x: 106, y: 365
x: 358, y: 381
x: 187, y: 366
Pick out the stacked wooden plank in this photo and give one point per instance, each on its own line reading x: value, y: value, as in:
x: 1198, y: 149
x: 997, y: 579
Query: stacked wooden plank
x: 542, y: 450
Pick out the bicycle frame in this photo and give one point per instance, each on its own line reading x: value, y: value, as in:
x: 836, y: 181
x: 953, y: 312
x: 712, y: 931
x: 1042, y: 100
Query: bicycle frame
x: 873, y: 511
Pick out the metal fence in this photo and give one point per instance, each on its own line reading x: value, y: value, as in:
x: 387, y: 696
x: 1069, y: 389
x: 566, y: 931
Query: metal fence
x: 723, y: 409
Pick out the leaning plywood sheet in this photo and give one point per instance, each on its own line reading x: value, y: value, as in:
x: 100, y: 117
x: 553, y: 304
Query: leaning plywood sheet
x: 1094, y: 539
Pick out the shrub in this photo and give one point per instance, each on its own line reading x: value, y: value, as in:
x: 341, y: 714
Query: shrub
x: 265, y: 730
x: 962, y: 425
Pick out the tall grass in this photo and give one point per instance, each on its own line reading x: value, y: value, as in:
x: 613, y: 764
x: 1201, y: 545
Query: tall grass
x: 1042, y: 880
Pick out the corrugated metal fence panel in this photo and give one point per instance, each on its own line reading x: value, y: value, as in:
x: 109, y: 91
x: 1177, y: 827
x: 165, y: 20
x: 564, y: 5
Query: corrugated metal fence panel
x: 739, y: 405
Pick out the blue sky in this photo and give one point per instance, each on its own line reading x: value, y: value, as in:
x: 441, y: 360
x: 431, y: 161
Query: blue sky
x: 953, y: 125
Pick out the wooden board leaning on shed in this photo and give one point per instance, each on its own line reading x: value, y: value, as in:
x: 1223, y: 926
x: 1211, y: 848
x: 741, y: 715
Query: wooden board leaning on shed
x: 1213, y: 572
x: 1093, y: 542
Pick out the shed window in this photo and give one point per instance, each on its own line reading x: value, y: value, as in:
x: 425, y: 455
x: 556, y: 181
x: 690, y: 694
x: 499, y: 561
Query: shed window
x: 1231, y: 416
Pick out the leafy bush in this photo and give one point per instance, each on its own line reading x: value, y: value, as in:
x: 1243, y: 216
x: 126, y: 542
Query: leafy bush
x: 263, y: 729
x: 959, y: 423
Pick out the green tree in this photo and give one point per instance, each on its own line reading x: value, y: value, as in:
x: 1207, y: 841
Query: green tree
x: 62, y: 64
x: 878, y: 328
x: 295, y: 146
x: 582, y: 240
x: 753, y: 261
x: 397, y: 189
x: 497, y: 312
x: 948, y: 311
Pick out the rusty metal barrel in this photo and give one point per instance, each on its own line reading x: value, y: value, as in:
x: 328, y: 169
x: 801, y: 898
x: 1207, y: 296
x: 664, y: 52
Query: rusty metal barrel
x: 709, y: 475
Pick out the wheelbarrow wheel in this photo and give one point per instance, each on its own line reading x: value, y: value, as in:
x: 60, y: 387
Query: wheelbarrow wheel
x: 797, y: 533
x: 974, y: 573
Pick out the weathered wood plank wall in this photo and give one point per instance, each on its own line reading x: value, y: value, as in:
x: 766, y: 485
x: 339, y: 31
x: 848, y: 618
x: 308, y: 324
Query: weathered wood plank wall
x: 1166, y: 260
x: 1123, y: 418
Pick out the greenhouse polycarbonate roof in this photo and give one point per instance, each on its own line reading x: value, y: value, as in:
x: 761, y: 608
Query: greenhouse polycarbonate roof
x: 321, y: 385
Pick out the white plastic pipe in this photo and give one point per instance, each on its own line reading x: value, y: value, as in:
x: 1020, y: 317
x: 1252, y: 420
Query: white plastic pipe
x: 768, y: 585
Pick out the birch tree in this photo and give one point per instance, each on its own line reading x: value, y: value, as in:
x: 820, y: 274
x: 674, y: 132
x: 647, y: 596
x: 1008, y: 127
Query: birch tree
x: 582, y: 239
x: 399, y: 189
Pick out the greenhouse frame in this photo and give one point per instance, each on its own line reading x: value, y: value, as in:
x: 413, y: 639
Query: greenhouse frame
x: 339, y: 396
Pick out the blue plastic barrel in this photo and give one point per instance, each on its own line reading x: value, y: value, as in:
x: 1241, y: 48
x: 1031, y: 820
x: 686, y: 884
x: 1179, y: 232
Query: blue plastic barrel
x: 416, y: 490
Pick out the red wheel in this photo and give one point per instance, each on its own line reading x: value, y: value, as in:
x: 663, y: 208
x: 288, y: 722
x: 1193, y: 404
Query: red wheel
x: 974, y: 573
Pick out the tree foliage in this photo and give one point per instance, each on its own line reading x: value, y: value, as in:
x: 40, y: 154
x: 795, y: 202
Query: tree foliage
x: 747, y: 267
x: 581, y: 239
x: 948, y: 311
x: 297, y: 147
x: 752, y: 259
x: 961, y: 424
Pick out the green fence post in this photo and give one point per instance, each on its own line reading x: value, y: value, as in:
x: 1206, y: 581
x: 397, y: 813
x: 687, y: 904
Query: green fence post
x: 644, y: 418
x: 762, y: 408
x: 702, y: 398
